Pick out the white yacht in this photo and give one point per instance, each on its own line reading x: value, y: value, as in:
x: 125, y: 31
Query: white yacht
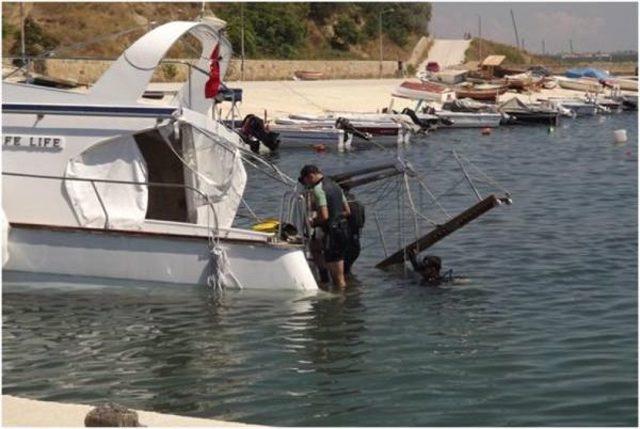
x: 104, y: 184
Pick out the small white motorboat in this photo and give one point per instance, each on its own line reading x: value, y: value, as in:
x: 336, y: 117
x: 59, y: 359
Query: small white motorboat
x: 626, y: 83
x: 577, y: 106
x: 468, y: 120
x: 105, y: 185
x: 428, y: 91
x: 294, y: 136
x: 386, y: 133
x: 581, y: 84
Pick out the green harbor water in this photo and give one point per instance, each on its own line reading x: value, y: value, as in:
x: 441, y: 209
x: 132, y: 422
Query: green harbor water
x: 543, y: 332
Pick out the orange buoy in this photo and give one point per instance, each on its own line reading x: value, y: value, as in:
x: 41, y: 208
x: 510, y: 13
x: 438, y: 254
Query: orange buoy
x: 319, y: 148
x: 486, y: 131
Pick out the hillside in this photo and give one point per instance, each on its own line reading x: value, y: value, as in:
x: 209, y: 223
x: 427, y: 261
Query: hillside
x: 272, y: 30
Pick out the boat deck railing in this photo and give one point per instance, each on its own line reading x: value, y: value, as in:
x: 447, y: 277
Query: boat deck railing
x: 205, y: 198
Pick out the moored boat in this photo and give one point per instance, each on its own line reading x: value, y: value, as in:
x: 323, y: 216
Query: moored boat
x: 427, y: 91
x: 577, y: 106
x: 105, y: 185
x: 469, y: 119
x: 381, y: 132
x: 580, y: 84
x: 482, y: 92
x: 308, y: 75
x: 303, y: 137
x: 625, y: 84
x: 523, y: 114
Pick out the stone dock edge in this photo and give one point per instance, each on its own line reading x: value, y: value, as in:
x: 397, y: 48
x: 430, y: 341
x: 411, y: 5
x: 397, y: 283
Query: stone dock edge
x: 22, y: 412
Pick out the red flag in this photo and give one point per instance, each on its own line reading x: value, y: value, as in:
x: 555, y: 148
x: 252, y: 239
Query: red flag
x: 213, y: 84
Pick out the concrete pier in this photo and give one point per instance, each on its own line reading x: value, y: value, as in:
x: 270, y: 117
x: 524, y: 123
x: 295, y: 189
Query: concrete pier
x: 21, y: 412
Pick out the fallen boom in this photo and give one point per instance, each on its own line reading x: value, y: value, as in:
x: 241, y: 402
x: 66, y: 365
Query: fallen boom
x: 444, y: 230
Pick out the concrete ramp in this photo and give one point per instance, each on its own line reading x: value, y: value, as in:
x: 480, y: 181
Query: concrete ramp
x: 447, y: 52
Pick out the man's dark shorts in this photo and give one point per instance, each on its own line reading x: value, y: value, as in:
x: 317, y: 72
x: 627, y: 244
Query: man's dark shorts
x: 335, y: 242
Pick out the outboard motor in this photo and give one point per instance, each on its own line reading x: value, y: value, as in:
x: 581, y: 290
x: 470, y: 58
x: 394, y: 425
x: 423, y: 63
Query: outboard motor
x: 425, y: 124
x: 344, y: 124
x: 430, y: 111
x: 253, y: 132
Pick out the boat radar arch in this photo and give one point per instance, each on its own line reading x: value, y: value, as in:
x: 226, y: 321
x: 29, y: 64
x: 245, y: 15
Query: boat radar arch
x: 127, y: 79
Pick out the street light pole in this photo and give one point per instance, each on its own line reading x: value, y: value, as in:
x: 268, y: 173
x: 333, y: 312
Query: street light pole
x: 23, y: 48
x: 380, y: 33
x: 242, y: 42
x: 479, y: 38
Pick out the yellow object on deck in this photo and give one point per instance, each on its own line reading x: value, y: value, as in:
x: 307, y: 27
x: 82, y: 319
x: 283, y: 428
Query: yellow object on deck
x: 267, y: 225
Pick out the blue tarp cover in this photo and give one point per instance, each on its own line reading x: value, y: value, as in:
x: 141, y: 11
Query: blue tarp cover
x: 587, y: 72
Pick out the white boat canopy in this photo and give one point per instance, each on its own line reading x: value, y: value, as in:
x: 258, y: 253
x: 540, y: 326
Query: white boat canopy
x: 116, y: 205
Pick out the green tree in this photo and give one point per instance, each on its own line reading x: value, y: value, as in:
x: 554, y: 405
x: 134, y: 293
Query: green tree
x: 321, y: 12
x: 345, y: 34
x: 231, y: 13
x: 37, y: 41
x: 280, y: 27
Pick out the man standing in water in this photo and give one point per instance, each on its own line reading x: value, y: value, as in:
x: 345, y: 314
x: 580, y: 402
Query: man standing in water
x: 332, y: 213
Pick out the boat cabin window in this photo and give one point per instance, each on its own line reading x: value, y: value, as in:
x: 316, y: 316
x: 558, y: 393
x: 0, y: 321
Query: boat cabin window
x: 165, y: 203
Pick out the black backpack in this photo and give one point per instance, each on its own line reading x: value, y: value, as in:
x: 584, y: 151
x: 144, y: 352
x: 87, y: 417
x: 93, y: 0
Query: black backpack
x: 357, y: 218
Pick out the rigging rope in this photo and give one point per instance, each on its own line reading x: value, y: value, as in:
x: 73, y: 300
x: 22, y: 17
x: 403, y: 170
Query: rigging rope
x: 307, y: 99
x: 49, y: 53
x: 253, y: 214
x: 487, y: 178
x: 411, y: 205
x: 424, y: 186
x: 464, y: 171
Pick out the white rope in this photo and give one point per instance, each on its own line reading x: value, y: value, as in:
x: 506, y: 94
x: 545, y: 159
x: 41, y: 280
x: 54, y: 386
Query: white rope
x: 435, y: 200
x: 255, y: 217
x: 464, y: 171
x: 487, y: 178
x: 384, y: 244
x: 412, y: 206
x: 304, y: 97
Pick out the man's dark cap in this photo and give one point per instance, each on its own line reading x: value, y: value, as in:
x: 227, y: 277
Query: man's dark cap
x: 306, y: 170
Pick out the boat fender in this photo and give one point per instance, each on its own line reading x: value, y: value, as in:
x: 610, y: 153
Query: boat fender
x: 221, y: 276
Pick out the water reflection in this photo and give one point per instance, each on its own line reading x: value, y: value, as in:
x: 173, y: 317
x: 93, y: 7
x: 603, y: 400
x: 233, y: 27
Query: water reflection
x: 335, y: 330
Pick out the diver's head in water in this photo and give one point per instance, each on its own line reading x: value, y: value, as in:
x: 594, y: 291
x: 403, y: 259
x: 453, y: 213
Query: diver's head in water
x: 431, y: 266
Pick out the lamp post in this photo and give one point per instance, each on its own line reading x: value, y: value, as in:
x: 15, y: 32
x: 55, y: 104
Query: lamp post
x: 380, y: 33
x: 23, y: 48
x: 242, y: 42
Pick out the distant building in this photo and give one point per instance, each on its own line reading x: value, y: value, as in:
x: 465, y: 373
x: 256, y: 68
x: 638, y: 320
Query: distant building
x: 587, y: 56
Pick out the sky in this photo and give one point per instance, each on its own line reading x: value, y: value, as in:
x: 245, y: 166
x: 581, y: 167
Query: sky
x: 602, y: 26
